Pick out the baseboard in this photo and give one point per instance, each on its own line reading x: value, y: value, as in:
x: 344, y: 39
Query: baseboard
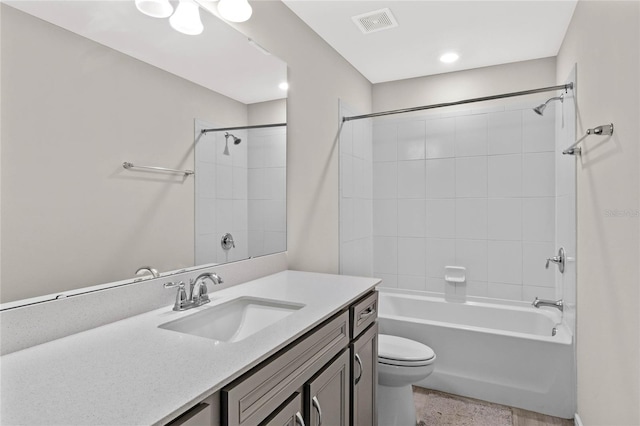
x: 577, y: 420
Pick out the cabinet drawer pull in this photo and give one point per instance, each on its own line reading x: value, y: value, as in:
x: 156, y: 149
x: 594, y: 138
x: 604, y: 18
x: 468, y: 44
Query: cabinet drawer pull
x: 359, y: 361
x: 316, y: 405
x: 367, y: 312
x: 299, y: 419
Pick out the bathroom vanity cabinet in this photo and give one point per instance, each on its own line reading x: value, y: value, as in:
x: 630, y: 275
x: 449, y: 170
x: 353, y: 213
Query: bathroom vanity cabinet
x: 327, y: 376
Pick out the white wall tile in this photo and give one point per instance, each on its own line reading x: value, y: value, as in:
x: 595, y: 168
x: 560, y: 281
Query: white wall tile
x: 435, y: 285
x: 206, y: 246
x: 346, y: 176
x: 362, y: 215
x: 411, y: 140
x: 346, y: 138
x: 441, y: 137
x: 255, y: 184
x: 538, y: 219
x: 224, y: 183
x: 538, y: 133
x: 206, y: 180
x: 385, y: 217
x: 385, y: 255
x: 275, y: 215
x: 471, y: 177
x: 275, y: 241
x: 505, y: 132
x: 411, y: 218
x: 256, y: 243
x: 240, y: 215
x: 505, y: 262
x: 411, y: 255
x: 477, y: 288
x: 504, y: 291
x: 471, y: 135
x: 529, y: 293
x: 472, y: 254
x: 239, y: 179
x: 411, y: 282
x: 224, y: 217
x: 206, y: 216
x: 362, y: 139
x: 385, y: 142
x: 471, y: 218
x: 359, y: 178
x: 439, y: 253
x: 505, y: 219
x: 275, y: 150
x: 256, y: 214
x: 411, y: 179
x: 441, y: 218
x: 388, y: 280
x: 441, y: 178
x: 505, y: 176
x: 348, y: 261
x: 538, y: 177
x: 534, y: 258
x: 385, y: 180
x: 347, y: 218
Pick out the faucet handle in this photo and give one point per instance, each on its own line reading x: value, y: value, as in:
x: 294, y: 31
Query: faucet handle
x: 181, y: 296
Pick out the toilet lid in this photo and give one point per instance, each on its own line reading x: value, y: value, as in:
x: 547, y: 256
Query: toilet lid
x: 394, y: 348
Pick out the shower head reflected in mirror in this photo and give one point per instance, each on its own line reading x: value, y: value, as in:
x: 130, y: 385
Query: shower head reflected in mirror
x: 540, y: 108
x: 236, y: 141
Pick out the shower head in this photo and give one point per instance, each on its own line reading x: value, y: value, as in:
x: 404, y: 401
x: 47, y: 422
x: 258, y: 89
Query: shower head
x: 540, y: 108
x: 236, y: 140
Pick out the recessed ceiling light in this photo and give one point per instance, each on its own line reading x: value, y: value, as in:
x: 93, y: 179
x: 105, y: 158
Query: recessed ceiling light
x: 449, y: 57
x: 284, y: 86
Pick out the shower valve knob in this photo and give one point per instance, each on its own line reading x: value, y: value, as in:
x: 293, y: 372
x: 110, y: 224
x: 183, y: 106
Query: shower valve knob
x: 227, y: 242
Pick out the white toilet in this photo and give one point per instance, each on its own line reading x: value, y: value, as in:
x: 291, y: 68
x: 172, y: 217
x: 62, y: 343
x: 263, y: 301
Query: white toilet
x: 401, y: 362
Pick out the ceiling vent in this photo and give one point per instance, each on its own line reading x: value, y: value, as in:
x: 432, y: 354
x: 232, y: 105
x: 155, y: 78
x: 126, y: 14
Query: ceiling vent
x: 377, y: 20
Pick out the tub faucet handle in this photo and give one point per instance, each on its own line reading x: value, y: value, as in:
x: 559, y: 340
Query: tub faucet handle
x: 559, y: 260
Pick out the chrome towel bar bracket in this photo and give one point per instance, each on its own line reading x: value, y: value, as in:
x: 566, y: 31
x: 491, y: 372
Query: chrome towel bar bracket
x: 604, y: 130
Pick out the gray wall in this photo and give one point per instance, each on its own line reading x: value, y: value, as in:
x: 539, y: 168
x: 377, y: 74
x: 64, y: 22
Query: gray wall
x: 604, y: 40
x: 72, y: 112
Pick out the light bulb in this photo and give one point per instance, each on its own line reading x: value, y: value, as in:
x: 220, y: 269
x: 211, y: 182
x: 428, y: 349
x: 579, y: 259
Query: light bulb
x: 235, y: 10
x: 284, y: 86
x: 186, y: 19
x: 155, y: 8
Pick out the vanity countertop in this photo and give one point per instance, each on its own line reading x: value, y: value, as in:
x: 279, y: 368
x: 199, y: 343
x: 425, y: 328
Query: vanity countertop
x: 132, y: 372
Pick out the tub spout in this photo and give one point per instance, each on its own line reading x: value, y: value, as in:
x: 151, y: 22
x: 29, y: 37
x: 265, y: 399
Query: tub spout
x: 558, y: 304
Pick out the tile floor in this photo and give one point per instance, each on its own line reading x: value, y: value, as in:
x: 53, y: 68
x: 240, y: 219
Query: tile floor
x: 442, y: 409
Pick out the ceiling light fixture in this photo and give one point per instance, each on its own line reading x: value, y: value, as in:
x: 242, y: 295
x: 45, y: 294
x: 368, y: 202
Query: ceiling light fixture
x: 186, y: 18
x: 449, y: 57
x: 283, y: 86
x: 155, y: 8
x: 235, y: 10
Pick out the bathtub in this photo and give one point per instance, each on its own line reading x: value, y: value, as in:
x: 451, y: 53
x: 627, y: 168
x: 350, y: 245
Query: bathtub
x: 499, y: 353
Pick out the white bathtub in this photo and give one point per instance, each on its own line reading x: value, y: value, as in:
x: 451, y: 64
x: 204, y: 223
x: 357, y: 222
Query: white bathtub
x: 499, y: 353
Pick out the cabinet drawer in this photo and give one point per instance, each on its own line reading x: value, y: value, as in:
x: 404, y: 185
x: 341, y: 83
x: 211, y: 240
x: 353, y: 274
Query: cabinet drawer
x: 249, y: 400
x: 363, y: 313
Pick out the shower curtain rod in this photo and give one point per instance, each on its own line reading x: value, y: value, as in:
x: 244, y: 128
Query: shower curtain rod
x: 564, y: 87
x: 259, y: 126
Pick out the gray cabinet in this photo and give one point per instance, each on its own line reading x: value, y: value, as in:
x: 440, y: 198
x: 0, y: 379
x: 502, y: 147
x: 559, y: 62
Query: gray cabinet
x: 328, y: 377
x: 364, y: 377
x: 290, y: 414
x: 327, y: 394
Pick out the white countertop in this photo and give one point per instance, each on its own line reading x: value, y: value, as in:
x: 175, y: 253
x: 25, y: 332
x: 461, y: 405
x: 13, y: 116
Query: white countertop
x: 132, y: 372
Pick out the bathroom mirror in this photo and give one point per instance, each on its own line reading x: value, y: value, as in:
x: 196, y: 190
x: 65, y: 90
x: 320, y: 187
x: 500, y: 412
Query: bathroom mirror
x: 90, y: 85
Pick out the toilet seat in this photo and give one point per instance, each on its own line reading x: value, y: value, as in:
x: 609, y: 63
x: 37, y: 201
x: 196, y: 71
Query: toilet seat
x: 398, y: 351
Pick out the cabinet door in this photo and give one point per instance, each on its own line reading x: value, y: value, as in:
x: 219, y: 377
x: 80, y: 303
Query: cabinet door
x: 364, y: 377
x: 289, y: 414
x: 327, y: 394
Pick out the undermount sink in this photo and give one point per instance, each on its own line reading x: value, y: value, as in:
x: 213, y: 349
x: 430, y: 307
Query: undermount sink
x: 234, y: 320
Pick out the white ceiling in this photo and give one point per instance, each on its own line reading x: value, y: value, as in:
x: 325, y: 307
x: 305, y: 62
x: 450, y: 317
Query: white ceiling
x: 220, y: 59
x: 483, y: 33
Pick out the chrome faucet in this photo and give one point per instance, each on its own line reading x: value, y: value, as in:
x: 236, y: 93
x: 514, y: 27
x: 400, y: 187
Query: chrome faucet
x: 558, y: 304
x: 198, y: 292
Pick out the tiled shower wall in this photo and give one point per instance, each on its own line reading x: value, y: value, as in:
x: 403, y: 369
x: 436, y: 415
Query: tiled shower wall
x: 472, y: 188
x: 267, y: 190
x: 356, y: 196
x: 243, y: 193
x: 220, y: 196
